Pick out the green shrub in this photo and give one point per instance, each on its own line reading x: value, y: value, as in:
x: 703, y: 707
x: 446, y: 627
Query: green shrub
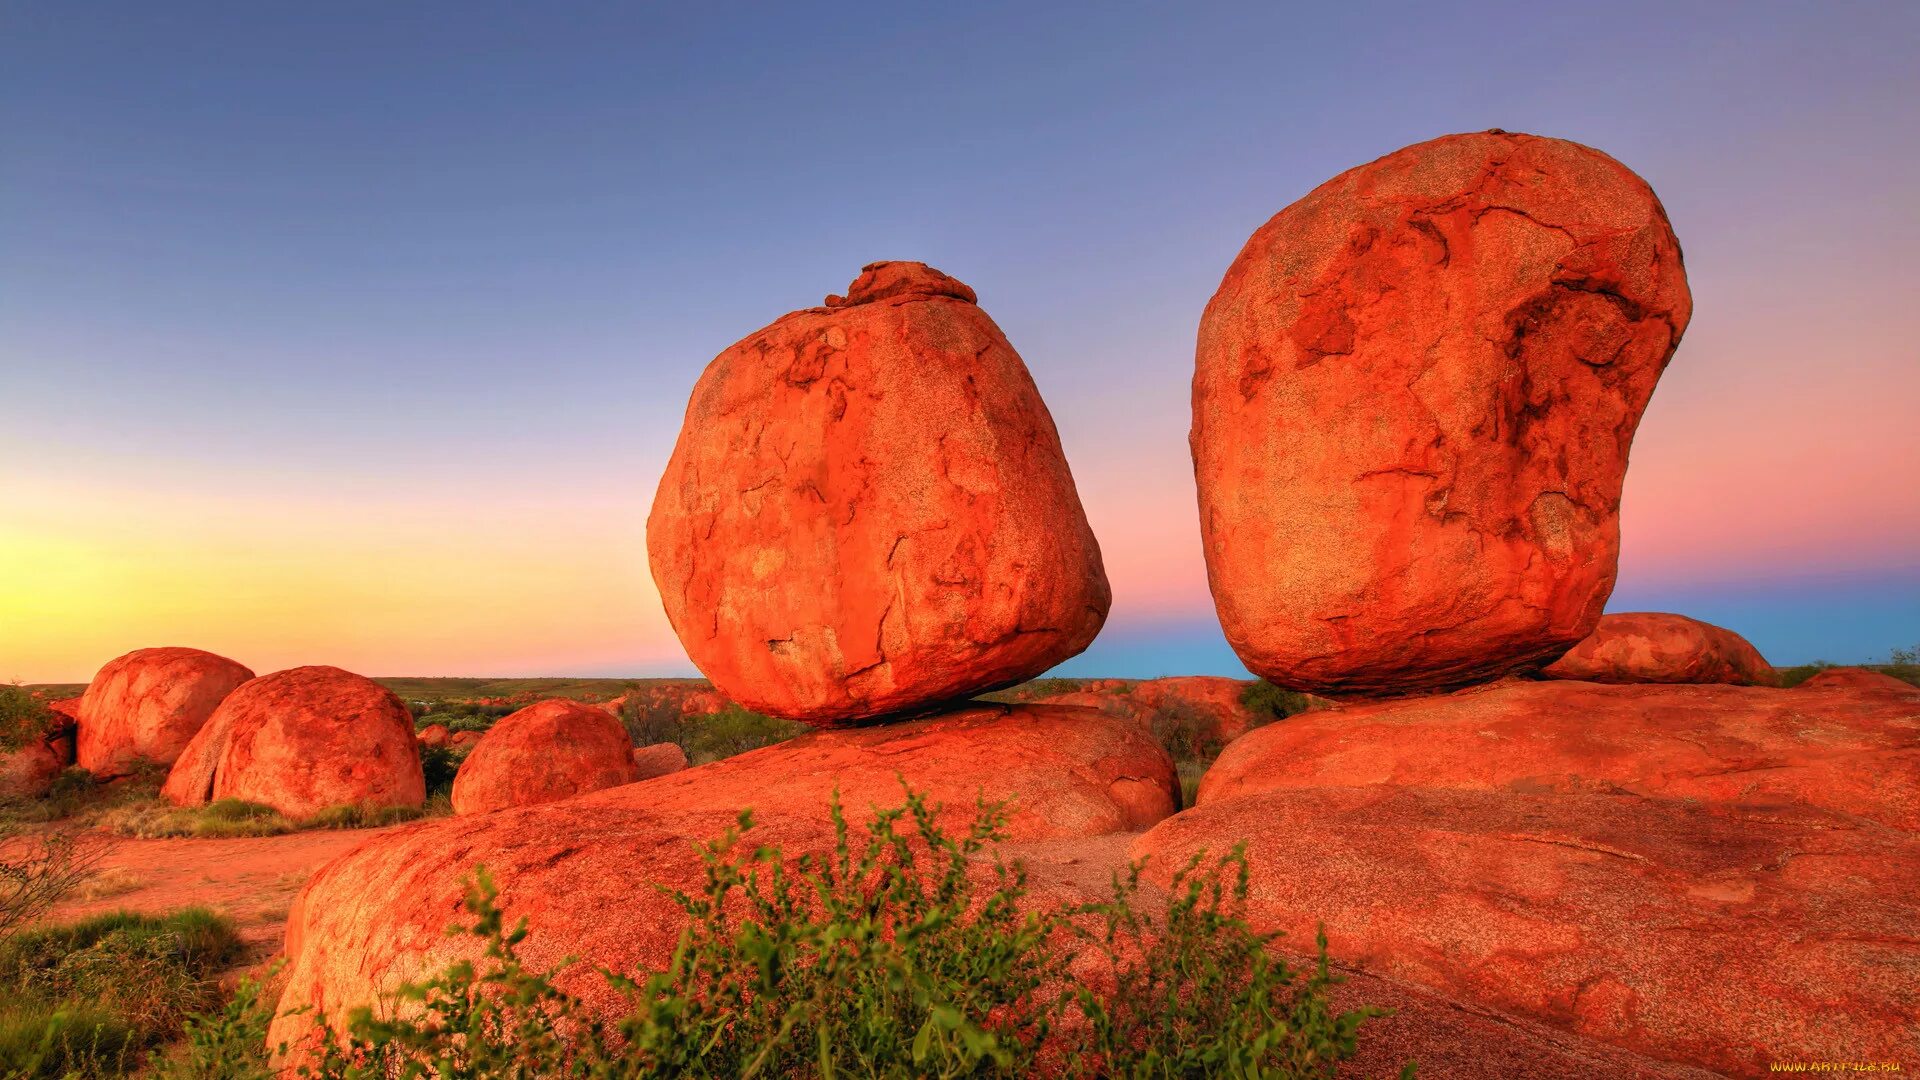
x: 653, y: 719
x: 88, y: 999
x: 230, y: 1044
x: 731, y: 731
x: 885, y: 958
x: 23, y: 717
x: 439, y: 765
x: 1268, y: 702
x: 218, y: 819
x: 362, y: 816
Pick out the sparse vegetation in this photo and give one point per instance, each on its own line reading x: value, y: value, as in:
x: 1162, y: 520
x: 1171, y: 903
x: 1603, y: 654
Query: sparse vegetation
x: 36, y: 872
x: 226, y: 818
x: 733, y: 730
x: 1271, y: 702
x: 92, y: 998
x: 23, y: 717
x: 887, y: 958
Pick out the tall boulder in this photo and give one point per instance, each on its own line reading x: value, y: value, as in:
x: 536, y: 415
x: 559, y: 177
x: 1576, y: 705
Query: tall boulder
x: 146, y: 706
x: 301, y: 741
x: 551, y: 750
x: 1654, y: 647
x: 1413, y: 398
x: 868, y: 511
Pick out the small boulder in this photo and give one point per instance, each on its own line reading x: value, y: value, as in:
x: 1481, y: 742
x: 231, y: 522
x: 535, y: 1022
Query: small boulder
x: 552, y: 750
x: 1654, y: 647
x: 1855, y: 678
x: 28, y: 770
x: 581, y: 871
x: 301, y: 741
x: 658, y: 759
x: 1413, y: 398
x: 434, y: 735
x: 868, y: 511
x: 463, y: 739
x: 146, y: 706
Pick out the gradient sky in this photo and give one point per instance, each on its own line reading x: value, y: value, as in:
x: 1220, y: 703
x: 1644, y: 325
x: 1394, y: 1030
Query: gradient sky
x: 359, y: 333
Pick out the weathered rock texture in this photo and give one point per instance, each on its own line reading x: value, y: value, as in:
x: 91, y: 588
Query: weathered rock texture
x: 581, y: 871
x: 1718, y: 936
x: 553, y: 750
x: 28, y: 771
x: 868, y: 511
x: 1412, y: 403
x: 1853, y: 678
x: 1844, y: 751
x: 435, y: 735
x: 659, y: 759
x: 300, y: 741
x: 146, y: 706
x: 1651, y: 647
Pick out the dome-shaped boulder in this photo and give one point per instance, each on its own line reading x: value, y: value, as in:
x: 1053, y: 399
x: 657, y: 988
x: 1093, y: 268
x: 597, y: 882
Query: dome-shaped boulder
x: 301, y: 741
x: 146, y: 706
x: 659, y: 759
x: 1654, y: 647
x: 1413, y: 398
x: 868, y: 511
x: 551, y: 750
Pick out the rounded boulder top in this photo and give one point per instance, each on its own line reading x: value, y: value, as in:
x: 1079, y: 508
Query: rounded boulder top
x: 550, y: 750
x: 868, y: 511
x: 1655, y: 647
x: 144, y: 707
x: 1413, y: 399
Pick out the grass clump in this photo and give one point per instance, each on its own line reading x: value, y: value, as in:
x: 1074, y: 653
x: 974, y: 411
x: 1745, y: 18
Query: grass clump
x: 228, y: 818
x: 92, y: 998
x: 903, y: 952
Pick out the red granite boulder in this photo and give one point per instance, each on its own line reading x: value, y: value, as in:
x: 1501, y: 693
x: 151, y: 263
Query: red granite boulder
x: 552, y: 750
x: 582, y: 871
x: 868, y: 511
x: 1413, y: 399
x: 1653, y: 647
x: 434, y: 735
x: 658, y: 759
x: 1854, y: 678
x: 301, y: 741
x: 146, y: 706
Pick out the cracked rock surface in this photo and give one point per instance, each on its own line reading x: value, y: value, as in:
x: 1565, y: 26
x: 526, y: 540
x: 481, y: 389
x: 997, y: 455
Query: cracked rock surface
x: 868, y: 511
x: 1413, y: 398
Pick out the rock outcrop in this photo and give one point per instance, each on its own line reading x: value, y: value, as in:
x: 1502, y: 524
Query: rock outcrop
x: 1848, y: 752
x: 1854, y: 678
x: 146, y: 706
x: 552, y: 750
x: 1720, y: 936
x: 301, y: 741
x: 868, y: 511
x: 1653, y: 647
x: 581, y: 870
x: 658, y: 759
x: 1413, y: 399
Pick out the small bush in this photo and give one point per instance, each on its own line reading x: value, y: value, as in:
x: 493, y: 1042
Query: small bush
x: 1268, y: 702
x: 439, y: 765
x: 885, y: 958
x: 653, y: 719
x: 35, y: 874
x: 731, y: 731
x: 39, y: 1040
x: 23, y: 717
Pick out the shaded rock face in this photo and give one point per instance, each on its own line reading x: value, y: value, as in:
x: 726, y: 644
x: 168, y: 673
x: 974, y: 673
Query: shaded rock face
x: 300, y: 741
x: 868, y: 511
x: 580, y: 870
x: 1853, y: 678
x: 146, y: 706
x: 658, y: 759
x: 1718, y: 936
x: 553, y: 750
x: 1838, y: 750
x: 1652, y: 647
x: 1413, y: 398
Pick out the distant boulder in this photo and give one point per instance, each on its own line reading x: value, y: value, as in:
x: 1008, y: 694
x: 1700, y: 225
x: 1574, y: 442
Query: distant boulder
x: 146, y: 706
x: 434, y: 735
x: 1855, y: 678
x: 301, y: 741
x: 659, y: 759
x: 548, y: 751
x: 1654, y: 647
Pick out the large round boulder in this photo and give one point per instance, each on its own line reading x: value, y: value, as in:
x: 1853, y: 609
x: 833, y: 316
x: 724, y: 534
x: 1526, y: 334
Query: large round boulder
x: 301, y: 741
x: 1844, y: 751
x: 868, y: 511
x: 552, y: 750
x: 1413, y: 398
x: 144, y: 707
x: 582, y: 871
x: 1653, y: 647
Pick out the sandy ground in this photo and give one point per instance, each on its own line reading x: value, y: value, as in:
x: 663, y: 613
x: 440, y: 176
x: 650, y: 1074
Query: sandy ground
x: 249, y: 879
